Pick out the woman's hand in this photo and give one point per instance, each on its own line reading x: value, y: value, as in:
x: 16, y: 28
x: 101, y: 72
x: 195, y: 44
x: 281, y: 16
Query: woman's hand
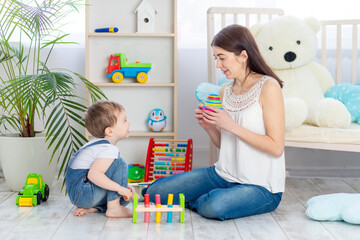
x: 200, y: 117
x: 218, y: 117
x: 209, y: 126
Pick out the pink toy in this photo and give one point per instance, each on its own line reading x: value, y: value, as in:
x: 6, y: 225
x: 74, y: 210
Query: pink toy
x: 212, y: 100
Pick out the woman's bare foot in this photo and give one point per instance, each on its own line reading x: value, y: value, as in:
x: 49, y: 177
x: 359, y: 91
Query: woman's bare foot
x: 82, y: 211
x: 115, y: 210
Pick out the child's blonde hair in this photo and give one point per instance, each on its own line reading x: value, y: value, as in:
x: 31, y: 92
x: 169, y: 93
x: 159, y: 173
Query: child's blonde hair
x: 101, y: 115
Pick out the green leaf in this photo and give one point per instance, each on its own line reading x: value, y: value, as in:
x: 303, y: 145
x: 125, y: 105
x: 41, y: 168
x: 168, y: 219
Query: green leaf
x: 58, y: 128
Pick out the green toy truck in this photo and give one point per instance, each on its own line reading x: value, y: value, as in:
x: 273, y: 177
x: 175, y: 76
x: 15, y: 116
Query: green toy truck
x: 34, y: 191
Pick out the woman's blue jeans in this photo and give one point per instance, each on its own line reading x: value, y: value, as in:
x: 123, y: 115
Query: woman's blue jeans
x: 213, y: 197
x: 85, y: 194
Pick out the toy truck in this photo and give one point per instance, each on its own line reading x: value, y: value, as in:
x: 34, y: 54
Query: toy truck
x: 34, y: 191
x: 119, y: 68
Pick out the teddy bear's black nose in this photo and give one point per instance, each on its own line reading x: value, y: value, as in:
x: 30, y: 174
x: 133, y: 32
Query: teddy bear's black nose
x: 290, y: 56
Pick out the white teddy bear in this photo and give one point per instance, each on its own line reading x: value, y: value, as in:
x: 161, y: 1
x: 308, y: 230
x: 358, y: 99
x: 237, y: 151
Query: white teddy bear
x: 288, y: 46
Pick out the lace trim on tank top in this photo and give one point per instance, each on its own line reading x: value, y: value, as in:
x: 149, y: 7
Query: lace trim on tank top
x: 237, y: 103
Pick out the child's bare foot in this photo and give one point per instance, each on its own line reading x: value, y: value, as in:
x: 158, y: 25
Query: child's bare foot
x: 115, y: 210
x: 82, y: 211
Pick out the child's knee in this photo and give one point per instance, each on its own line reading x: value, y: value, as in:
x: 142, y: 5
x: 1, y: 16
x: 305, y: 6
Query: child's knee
x: 120, y: 162
x: 118, y: 166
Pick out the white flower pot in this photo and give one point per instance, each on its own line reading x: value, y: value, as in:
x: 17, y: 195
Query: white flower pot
x: 21, y: 156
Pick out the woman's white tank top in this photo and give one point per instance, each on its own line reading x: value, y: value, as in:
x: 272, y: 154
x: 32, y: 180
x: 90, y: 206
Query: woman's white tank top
x: 240, y: 162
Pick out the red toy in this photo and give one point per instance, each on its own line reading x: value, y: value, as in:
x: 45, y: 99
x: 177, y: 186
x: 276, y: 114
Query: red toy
x: 166, y: 157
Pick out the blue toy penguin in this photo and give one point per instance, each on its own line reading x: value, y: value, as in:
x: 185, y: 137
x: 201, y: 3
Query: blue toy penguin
x: 156, y: 120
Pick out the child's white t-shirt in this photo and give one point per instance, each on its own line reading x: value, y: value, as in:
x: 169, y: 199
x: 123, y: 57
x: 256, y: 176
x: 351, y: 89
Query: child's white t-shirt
x: 87, y: 156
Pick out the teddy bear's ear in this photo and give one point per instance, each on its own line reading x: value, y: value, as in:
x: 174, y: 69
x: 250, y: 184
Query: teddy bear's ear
x: 313, y: 23
x: 255, y: 29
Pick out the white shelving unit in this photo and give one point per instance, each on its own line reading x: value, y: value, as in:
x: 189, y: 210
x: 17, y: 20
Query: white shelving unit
x: 158, y: 48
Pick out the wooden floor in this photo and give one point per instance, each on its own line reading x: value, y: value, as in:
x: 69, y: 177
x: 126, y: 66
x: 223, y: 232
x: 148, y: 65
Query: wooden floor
x: 54, y: 219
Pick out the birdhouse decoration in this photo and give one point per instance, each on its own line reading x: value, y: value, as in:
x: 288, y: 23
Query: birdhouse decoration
x: 145, y: 17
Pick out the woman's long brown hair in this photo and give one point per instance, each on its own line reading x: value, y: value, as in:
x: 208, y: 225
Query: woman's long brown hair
x: 236, y: 38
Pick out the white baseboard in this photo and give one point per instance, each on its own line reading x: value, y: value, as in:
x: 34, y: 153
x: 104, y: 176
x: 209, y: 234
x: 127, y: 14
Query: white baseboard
x: 323, y: 172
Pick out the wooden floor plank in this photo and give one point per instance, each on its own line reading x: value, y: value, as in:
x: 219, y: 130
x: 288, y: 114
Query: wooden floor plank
x: 116, y: 228
x: 88, y: 226
x: 332, y: 185
x: 11, y: 215
x: 290, y: 215
x: 38, y: 224
x: 54, y: 219
x: 343, y: 230
x: 354, y: 183
x: 174, y: 230
x: 213, y: 229
x: 303, y: 189
x: 5, y: 195
x: 259, y: 227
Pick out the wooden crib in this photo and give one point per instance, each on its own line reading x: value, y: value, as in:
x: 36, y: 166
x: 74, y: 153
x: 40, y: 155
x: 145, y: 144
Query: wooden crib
x: 304, y: 136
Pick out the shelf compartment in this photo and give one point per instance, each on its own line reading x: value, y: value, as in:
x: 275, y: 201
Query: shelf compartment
x: 121, y: 14
x: 102, y: 84
x: 139, y: 101
x: 158, y: 51
x: 151, y: 134
x: 131, y: 34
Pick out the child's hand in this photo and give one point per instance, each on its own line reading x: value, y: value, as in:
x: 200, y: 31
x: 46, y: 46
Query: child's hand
x: 126, y: 193
x: 133, y: 191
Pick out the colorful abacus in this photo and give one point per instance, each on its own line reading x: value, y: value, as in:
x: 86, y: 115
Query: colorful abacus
x: 166, y: 157
x: 213, y: 100
x: 158, y: 209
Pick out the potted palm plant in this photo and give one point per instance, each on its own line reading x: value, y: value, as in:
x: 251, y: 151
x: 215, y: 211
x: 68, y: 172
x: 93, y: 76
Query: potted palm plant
x: 31, y: 92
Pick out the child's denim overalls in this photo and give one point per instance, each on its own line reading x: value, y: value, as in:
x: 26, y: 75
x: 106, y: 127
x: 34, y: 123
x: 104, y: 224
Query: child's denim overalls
x: 83, y: 193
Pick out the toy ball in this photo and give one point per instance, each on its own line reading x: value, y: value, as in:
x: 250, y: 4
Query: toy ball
x: 136, y: 172
x: 156, y: 120
x: 214, y: 101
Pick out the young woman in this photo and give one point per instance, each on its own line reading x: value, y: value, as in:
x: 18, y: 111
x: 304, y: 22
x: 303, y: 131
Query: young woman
x: 249, y: 176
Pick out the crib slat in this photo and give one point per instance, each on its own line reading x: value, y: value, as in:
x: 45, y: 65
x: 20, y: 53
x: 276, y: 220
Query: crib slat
x: 235, y: 18
x: 211, y: 32
x: 223, y: 22
x: 338, y: 53
x: 354, y: 54
x: 258, y: 18
x: 323, y: 45
x: 247, y: 20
